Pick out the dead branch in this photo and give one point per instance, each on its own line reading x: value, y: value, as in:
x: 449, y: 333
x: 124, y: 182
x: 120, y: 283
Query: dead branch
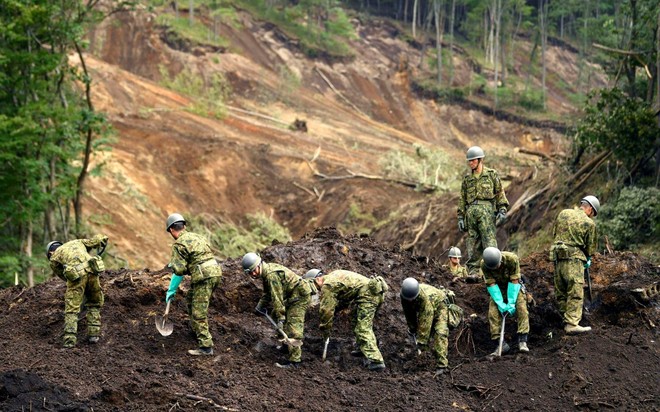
x: 352, y: 175
x: 480, y: 390
x: 427, y: 220
x: 536, y: 153
x: 255, y: 114
x: 591, y: 165
x: 329, y: 83
x: 588, y: 402
x: 203, y: 399
x: 299, y: 186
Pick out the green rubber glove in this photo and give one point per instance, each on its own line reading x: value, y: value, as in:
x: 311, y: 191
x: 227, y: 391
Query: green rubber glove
x: 174, y: 285
x: 496, y: 294
x: 512, y: 291
x: 588, y: 264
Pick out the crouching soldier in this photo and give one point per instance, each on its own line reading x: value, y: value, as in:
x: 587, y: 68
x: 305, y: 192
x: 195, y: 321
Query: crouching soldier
x: 288, y: 295
x: 72, y: 263
x: 502, y: 276
x: 191, y: 255
x: 343, y: 288
x: 427, y: 316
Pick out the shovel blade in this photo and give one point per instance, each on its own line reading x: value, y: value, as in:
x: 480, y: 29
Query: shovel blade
x: 164, y: 326
x: 292, y: 342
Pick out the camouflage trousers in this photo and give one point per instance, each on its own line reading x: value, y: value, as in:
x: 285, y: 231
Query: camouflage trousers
x: 480, y: 221
x: 88, y: 289
x: 440, y: 337
x: 495, y: 318
x: 199, y: 298
x: 364, y: 313
x: 294, y: 326
x: 569, y: 289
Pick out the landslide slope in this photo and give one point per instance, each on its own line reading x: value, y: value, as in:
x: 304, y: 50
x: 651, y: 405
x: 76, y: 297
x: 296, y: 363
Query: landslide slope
x: 168, y: 159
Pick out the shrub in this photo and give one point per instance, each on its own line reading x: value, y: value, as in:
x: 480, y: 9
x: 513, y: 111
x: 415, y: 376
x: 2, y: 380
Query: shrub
x: 633, y: 218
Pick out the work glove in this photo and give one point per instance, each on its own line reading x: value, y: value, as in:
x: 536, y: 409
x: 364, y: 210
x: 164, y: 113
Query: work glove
x: 280, y: 324
x: 501, y: 217
x: 512, y: 291
x: 174, y: 286
x: 326, y: 334
x: 260, y: 310
x: 587, y: 265
x: 510, y: 309
x: 496, y: 294
x: 461, y: 224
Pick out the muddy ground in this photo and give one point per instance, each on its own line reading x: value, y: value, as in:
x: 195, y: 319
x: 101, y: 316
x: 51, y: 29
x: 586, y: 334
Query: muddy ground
x: 133, y: 368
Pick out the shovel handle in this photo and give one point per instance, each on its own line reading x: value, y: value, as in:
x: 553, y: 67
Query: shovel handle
x: 325, y: 348
x: 276, y: 327
x: 499, y: 348
x: 167, y: 307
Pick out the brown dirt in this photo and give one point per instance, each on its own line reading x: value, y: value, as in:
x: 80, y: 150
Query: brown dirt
x: 133, y: 368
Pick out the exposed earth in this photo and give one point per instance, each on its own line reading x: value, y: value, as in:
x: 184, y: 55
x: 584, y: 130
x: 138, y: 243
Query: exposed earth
x: 133, y: 368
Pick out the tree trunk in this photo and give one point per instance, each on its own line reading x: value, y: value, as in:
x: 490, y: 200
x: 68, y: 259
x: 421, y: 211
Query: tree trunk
x: 414, y: 18
x: 543, y: 9
x: 439, y: 31
x: 452, y: 20
x: 498, y: 20
x: 27, y: 252
x: 191, y: 12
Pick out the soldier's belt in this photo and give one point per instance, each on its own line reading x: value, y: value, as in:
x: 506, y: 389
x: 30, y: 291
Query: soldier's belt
x: 482, y: 202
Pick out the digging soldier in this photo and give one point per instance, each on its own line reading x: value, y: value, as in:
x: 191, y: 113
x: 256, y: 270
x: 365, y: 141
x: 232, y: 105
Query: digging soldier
x: 342, y: 288
x: 191, y: 255
x: 72, y: 263
x: 502, y: 276
x: 427, y: 315
x: 482, y: 205
x: 574, y: 234
x: 288, y: 295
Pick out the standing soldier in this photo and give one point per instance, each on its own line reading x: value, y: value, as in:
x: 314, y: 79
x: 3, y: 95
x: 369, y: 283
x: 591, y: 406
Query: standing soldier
x: 575, y: 242
x: 288, y: 295
x: 426, y: 315
x: 191, y: 255
x: 458, y: 271
x: 482, y: 205
x: 344, y: 288
x: 72, y: 263
x: 502, y: 275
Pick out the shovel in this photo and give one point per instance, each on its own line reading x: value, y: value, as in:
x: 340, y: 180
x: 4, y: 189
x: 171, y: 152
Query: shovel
x: 325, y: 349
x: 287, y: 341
x: 164, y: 326
x: 499, y: 348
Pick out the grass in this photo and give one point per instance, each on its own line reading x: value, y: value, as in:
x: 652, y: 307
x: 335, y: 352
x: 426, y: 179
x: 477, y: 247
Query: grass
x: 209, y: 95
x: 197, y: 33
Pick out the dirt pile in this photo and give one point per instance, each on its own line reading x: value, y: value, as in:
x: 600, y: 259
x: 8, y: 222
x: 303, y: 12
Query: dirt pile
x: 133, y: 368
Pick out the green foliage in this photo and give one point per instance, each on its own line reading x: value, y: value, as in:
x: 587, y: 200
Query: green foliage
x: 197, y: 33
x: 229, y: 240
x: 357, y: 221
x: 428, y: 167
x: 209, y: 95
x: 633, y: 218
x: 626, y: 126
x: 321, y: 28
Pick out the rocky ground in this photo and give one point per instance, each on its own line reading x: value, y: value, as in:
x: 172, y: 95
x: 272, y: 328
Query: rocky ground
x: 134, y: 368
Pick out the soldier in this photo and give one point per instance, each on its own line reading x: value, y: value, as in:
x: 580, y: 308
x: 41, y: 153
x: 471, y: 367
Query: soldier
x: 288, y: 295
x: 482, y: 205
x: 458, y: 271
x: 72, y: 263
x: 191, y: 255
x: 344, y: 288
x: 502, y: 276
x: 574, y: 233
x: 426, y: 315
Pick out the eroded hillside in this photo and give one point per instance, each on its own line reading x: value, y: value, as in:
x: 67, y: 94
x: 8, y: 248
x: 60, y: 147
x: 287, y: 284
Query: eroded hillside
x: 167, y: 159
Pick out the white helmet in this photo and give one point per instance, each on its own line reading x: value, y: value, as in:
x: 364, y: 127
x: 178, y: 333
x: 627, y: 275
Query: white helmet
x: 454, y: 252
x: 593, y: 202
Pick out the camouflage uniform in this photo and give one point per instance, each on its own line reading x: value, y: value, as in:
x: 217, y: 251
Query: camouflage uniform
x: 481, y: 197
x: 343, y: 288
x: 575, y: 240
x: 191, y: 255
x: 509, y: 270
x: 289, y: 296
x: 458, y: 271
x: 70, y: 262
x: 427, y: 315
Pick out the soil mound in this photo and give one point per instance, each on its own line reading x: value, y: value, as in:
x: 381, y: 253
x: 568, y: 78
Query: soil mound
x: 133, y: 368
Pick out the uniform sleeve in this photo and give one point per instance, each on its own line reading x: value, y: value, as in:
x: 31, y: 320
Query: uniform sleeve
x: 500, y: 198
x: 515, y: 275
x: 461, y: 200
x: 410, y: 314
x: 276, y: 295
x: 327, y: 308
x: 96, y: 241
x: 488, y: 279
x: 58, y: 269
x: 425, y: 321
x: 591, y: 240
x: 178, y: 260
